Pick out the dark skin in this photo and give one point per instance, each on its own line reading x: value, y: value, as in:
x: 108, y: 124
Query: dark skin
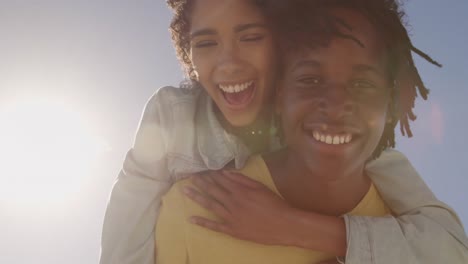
x: 339, y: 93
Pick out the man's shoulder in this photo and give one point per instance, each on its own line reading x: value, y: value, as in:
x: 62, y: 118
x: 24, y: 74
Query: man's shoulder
x: 257, y: 170
x: 176, y: 191
x: 175, y: 199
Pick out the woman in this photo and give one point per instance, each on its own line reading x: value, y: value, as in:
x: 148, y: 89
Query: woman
x: 182, y: 131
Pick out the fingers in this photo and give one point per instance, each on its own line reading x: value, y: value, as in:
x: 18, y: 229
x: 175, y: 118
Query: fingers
x: 330, y: 261
x: 221, y: 180
x: 186, y: 175
x: 241, y: 179
x: 206, y: 202
x: 212, y: 225
x: 212, y: 188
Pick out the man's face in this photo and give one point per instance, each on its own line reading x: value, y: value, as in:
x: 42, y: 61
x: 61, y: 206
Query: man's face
x: 333, y: 100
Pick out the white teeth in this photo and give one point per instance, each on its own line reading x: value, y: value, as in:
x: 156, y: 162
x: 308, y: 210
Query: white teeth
x: 336, y: 140
x: 316, y: 135
x: 236, y: 88
x: 332, y: 139
x: 348, y: 139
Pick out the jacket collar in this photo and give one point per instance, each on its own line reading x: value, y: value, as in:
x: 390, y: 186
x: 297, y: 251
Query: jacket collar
x: 216, y: 146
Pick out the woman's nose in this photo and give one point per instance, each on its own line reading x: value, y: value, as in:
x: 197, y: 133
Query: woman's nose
x: 229, y: 61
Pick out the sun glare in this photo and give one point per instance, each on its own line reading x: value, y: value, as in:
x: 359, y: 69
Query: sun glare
x: 47, y: 150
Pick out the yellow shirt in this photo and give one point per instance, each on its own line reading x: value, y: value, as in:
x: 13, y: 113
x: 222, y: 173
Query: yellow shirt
x: 180, y: 242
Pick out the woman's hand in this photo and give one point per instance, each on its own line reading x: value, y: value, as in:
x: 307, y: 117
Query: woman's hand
x: 248, y: 210
x: 331, y: 261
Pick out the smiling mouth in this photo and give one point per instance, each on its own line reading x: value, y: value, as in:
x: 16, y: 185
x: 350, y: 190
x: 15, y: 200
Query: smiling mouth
x: 238, y: 95
x: 332, y: 134
x: 332, y: 139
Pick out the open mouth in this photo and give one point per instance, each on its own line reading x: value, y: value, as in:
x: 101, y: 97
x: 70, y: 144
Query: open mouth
x: 238, y: 95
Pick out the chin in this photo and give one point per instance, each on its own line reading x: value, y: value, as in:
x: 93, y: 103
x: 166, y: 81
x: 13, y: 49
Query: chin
x: 241, y: 119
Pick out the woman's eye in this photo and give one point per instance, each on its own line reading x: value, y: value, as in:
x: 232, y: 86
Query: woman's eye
x: 252, y: 37
x: 205, y: 44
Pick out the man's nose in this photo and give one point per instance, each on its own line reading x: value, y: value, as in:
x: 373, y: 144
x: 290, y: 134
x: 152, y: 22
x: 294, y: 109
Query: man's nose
x: 337, y: 102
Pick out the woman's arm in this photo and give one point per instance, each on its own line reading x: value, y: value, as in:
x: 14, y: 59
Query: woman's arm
x: 413, y: 238
x: 128, y: 230
x: 423, y: 229
x: 251, y: 211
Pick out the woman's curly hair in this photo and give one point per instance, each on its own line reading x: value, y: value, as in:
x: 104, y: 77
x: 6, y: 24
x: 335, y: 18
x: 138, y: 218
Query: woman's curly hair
x: 180, y: 30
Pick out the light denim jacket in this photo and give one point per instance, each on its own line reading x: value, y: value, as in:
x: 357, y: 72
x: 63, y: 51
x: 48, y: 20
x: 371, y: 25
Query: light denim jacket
x: 179, y: 133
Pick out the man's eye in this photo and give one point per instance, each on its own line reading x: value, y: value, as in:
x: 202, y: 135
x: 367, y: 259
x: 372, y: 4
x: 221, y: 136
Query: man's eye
x: 205, y: 44
x: 252, y: 37
x: 313, y: 80
x: 363, y: 85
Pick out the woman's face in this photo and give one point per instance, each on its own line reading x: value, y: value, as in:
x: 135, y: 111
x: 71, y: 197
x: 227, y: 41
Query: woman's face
x: 232, y: 52
x: 334, y: 100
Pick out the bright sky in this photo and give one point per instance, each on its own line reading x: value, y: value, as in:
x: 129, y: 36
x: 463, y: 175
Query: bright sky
x: 75, y: 75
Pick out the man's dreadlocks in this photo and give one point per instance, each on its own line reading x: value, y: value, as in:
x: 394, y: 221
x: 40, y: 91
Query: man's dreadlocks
x: 307, y: 23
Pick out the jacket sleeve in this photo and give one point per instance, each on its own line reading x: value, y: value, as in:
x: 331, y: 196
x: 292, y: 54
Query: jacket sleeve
x: 129, y: 222
x: 421, y: 230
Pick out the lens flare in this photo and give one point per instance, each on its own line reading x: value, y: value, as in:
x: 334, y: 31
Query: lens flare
x: 47, y: 151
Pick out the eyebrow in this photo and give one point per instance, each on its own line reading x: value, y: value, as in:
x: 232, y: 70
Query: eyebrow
x: 306, y: 63
x: 367, y: 68
x: 202, y: 32
x: 356, y: 68
x: 237, y: 29
x: 243, y: 27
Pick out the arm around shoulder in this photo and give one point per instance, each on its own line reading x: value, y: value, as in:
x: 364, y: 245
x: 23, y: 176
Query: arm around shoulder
x: 421, y: 230
x: 128, y: 230
x: 411, y: 238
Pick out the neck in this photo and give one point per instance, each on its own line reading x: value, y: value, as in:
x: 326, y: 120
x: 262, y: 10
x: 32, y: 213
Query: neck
x: 256, y: 136
x: 331, y: 190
